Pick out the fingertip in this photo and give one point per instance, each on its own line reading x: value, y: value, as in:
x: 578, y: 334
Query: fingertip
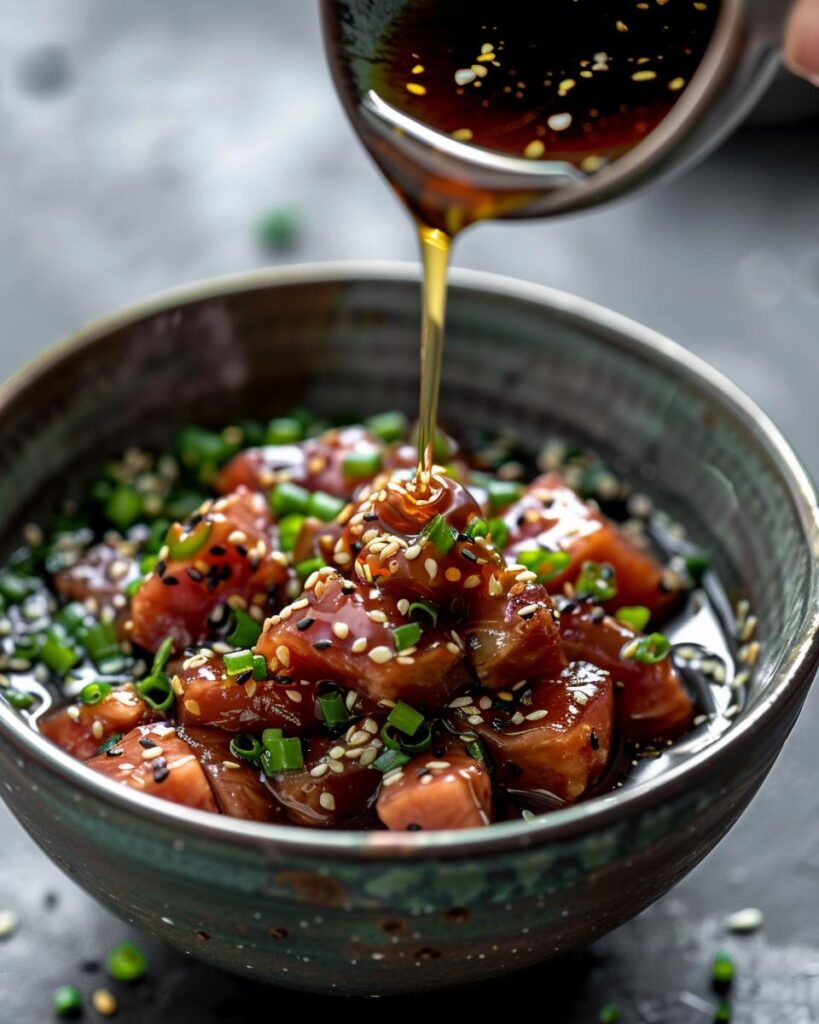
x: 802, y: 40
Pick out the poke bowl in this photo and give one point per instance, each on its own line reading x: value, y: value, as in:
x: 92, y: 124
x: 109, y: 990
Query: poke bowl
x: 364, y: 910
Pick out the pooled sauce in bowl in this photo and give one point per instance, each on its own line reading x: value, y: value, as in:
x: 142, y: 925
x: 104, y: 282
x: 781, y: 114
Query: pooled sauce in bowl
x: 279, y: 624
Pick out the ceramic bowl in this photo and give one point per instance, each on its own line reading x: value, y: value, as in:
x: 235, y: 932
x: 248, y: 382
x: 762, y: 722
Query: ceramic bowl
x: 383, y: 912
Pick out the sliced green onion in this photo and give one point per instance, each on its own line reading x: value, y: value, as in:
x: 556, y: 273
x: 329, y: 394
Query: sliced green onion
x: 67, y: 1001
x: 58, y: 656
x: 71, y: 617
x: 722, y: 1014
x: 198, y: 447
x: 596, y: 580
x: 636, y: 616
x: 421, y: 741
x: 475, y: 749
x: 361, y: 464
x: 93, y: 693
x: 308, y: 567
x: 389, y: 760
x: 282, y: 755
x: 610, y: 1014
x: 405, y: 718
x: 246, y: 630
x: 270, y: 736
x: 477, y: 528
x: 112, y: 664
x: 333, y: 709
x: 287, y: 498
x: 246, y: 746
x: 440, y: 533
x: 278, y: 228
x: 649, y: 650
x: 237, y: 662
x: 498, y: 533
x: 124, y: 507
x: 126, y: 963
x: 389, y: 739
x: 15, y: 588
x: 156, y: 536
x: 443, y: 446
x: 99, y: 640
x: 182, y: 504
x: 547, y: 564
x: 723, y: 970
x: 697, y: 565
x: 157, y: 692
x: 259, y: 667
x: 182, y: 545
x: 502, y: 492
x: 162, y: 655
x: 388, y: 426
x: 148, y: 563
x: 289, y: 530
x: 18, y: 698
x: 134, y: 586
x: 406, y: 636
x: 110, y: 743
x: 253, y: 432
x: 427, y: 607
x: 324, y: 506
x: 285, y: 430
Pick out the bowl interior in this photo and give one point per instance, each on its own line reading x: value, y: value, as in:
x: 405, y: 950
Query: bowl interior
x: 517, y: 356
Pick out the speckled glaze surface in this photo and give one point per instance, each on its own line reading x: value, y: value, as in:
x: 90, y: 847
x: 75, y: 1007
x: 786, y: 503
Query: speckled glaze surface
x: 379, y: 912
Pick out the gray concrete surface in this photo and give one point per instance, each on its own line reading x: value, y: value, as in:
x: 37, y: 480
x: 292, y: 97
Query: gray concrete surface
x: 139, y: 143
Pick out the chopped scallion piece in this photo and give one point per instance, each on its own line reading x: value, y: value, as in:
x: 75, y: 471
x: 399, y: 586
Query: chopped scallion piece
x: 58, y: 656
x: 183, y: 545
x: 148, y: 563
x: 287, y: 498
x: 610, y: 1014
x: 67, y: 1001
x: 308, y: 567
x: 126, y: 963
x: 722, y: 1014
x: 405, y: 718
x: 427, y: 607
x: 110, y: 743
x: 198, y: 447
x: 440, y: 533
x: 237, y: 662
x: 406, y: 636
x: 18, y: 698
x: 124, y: 507
x: 649, y: 650
x: 390, y: 760
x: 477, y: 528
x: 361, y: 464
x: 259, y: 667
x: 15, y: 588
x: 596, y: 580
x: 502, y: 492
x: 636, y: 616
x: 282, y: 755
x: 333, y: 709
x: 498, y: 533
x: 289, y: 530
x: 270, y: 735
x: 93, y: 693
x: 547, y: 564
x: 284, y: 431
x: 246, y: 630
x: 246, y: 746
x: 388, y: 426
x: 157, y: 692
x: 72, y: 616
x: 162, y: 655
x: 723, y: 970
x: 421, y: 741
x: 324, y: 506
x: 475, y: 749
x: 134, y: 586
x: 697, y: 566
x: 99, y: 640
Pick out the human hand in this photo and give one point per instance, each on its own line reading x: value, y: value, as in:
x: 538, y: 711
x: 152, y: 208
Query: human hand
x: 802, y: 40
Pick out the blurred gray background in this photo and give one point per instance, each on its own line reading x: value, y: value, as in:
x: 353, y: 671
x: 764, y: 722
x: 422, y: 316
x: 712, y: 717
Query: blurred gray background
x: 140, y: 144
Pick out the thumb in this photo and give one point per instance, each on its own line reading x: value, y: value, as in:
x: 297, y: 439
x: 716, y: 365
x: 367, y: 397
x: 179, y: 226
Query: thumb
x: 802, y: 40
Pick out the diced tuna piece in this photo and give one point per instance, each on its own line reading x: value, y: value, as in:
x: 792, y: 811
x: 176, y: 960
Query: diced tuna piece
x: 80, y: 729
x: 338, y: 782
x: 551, y: 517
x: 552, y: 737
x: 651, y: 700
x: 207, y: 695
x: 101, y: 575
x: 236, y: 784
x: 235, y: 560
x: 342, y: 631
x: 155, y: 760
x: 431, y: 792
x: 326, y: 463
x: 511, y: 632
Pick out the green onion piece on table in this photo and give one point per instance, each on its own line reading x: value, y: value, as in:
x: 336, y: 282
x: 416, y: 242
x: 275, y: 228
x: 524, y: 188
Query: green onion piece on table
x: 126, y: 963
x: 67, y: 1001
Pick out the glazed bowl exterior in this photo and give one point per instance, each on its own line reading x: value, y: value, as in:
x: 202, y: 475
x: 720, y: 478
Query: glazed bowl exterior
x: 383, y: 912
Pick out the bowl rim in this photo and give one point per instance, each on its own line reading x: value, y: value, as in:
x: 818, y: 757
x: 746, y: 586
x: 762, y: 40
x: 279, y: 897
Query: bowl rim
x: 556, y: 826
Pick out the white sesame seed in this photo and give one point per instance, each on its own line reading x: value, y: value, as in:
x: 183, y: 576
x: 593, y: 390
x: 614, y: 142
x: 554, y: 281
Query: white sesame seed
x: 528, y: 610
x: 8, y: 923
x: 311, y: 581
x: 370, y: 725
x: 341, y: 630
x: 463, y: 76
x: 403, y: 606
x: 97, y: 730
x: 283, y: 655
x: 432, y: 765
x: 380, y: 655
x: 517, y: 718
x: 336, y: 752
x: 293, y: 695
x: 495, y: 587
x: 377, y: 616
x: 475, y: 720
x: 73, y: 713
x: 431, y: 567
x: 526, y: 577
x: 336, y: 767
x: 368, y: 756
x: 744, y: 921
x: 298, y: 605
x: 192, y: 707
x: 425, y: 780
x: 359, y: 737
x: 485, y: 703
x: 151, y: 753
x: 327, y: 801
x: 392, y: 777
x: 461, y: 702
x: 471, y: 582
x: 319, y: 770
x: 360, y: 645
x: 354, y: 753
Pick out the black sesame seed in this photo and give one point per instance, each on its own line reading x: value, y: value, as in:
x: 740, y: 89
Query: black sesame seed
x: 160, y: 568
x: 594, y: 741
x: 412, y: 827
x: 597, y: 614
x: 170, y: 581
x: 161, y: 772
x: 254, y: 564
x: 195, y: 520
x: 514, y: 770
x: 322, y: 645
x: 370, y: 517
x: 470, y: 555
x: 114, y: 752
x: 284, y: 680
x: 226, y: 572
x: 195, y: 575
x: 217, y: 549
x: 244, y: 677
x: 303, y: 624
x: 213, y: 583
x: 242, y: 550
x: 147, y: 743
